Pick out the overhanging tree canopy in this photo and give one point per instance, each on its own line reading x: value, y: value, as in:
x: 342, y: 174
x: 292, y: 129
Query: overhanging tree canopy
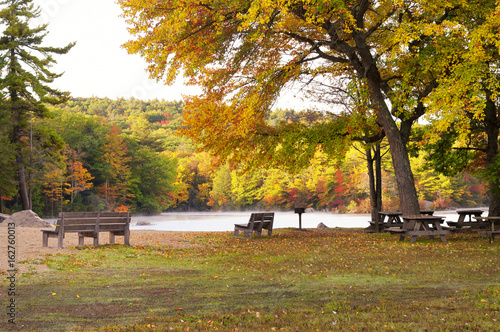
x: 244, y: 53
x: 464, y: 110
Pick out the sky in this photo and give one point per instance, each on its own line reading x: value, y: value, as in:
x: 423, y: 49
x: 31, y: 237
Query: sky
x: 98, y: 65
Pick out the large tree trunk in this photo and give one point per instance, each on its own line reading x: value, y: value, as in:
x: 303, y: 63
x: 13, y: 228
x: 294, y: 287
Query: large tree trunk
x: 23, y: 191
x: 21, y: 173
x: 492, y: 132
x: 399, y: 153
x: 366, y: 67
x: 375, y: 179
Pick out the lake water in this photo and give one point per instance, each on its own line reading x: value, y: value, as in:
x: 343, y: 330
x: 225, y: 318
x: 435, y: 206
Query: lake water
x: 224, y: 221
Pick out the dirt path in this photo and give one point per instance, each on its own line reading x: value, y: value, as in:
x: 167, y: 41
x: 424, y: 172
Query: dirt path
x: 28, y: 244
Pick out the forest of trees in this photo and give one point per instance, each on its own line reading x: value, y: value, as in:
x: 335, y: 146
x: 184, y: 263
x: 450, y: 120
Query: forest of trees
x: 125, y: 155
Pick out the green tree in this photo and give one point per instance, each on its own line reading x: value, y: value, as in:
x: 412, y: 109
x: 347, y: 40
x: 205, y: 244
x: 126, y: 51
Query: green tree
x: 116, y: 188
x: 7, y: 174
x: 27, y: 77
x: 465, y: 108
x: 152, y: 178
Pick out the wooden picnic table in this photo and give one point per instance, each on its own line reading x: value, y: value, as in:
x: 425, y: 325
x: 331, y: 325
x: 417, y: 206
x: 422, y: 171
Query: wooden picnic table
x: 490, y: 231
x: 393, y: 218
x: 464, y: 221
x: 429, y: 225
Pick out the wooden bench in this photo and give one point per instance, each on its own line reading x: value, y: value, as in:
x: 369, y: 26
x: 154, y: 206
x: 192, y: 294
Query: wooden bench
x: 257, y: 223
x: 90, y: 224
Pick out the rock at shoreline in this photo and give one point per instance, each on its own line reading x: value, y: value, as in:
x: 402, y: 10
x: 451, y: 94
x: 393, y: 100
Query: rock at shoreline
x: 143, y: 223
x: 321, y: 225
x: 4, y: 216
x: 28, y: 218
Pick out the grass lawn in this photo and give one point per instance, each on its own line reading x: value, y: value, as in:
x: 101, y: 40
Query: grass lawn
x: 333, y: 280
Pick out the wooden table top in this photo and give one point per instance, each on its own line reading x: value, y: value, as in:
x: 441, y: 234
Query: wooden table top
x: 469, y: 211
x: 391, y: 213
x: 424, y: 217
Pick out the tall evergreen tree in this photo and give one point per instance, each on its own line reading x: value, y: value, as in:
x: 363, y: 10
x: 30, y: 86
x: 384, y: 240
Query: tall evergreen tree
x: 25, y: 78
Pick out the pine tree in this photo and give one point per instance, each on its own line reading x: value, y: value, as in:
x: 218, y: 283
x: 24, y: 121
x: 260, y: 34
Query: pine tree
x: 25, y: 78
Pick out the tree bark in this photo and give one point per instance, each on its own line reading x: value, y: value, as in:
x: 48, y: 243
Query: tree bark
x: 375, y: 179
x: 492, y: 131
x: 399, y: 153
x: 23, y: 191
x: 366, y: 67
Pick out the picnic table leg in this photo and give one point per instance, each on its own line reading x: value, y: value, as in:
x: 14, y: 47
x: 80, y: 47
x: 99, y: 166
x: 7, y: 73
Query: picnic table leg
x: 405, y: 229
x: 427, y: 227
x: 418, y: 223
x: 492, y: 236
x: 437, y: 225
x: 381, y: 225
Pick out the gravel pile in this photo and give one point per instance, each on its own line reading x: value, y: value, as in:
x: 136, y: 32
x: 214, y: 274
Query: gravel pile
x: 28, y: 218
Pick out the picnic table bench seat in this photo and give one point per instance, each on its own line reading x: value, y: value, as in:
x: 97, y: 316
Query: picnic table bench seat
x: 89, y: 224
x: 394, y: 230
x: 489, y: 234
x: 256, y: 223
x: 490, y: 231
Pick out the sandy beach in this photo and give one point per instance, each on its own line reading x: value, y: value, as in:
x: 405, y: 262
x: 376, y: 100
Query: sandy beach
x: 28, y: 244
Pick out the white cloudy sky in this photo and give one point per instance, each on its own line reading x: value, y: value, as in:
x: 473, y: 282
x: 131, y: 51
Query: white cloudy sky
x: 97, y: 65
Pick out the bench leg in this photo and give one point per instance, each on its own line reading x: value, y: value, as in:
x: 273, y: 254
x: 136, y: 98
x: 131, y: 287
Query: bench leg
x: 45, y: 240
x: 96, y: 239
x: 111, y: 238
x: 126, y: 238
x: 60, y: 238
x: 246, y: 233
x: 81, y: 239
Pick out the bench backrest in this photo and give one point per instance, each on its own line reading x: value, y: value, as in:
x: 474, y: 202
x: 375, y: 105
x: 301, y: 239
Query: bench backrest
x: 267, y: 220
x: 255, y: 217
x: 92, y: 221
x: 261, y: 221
